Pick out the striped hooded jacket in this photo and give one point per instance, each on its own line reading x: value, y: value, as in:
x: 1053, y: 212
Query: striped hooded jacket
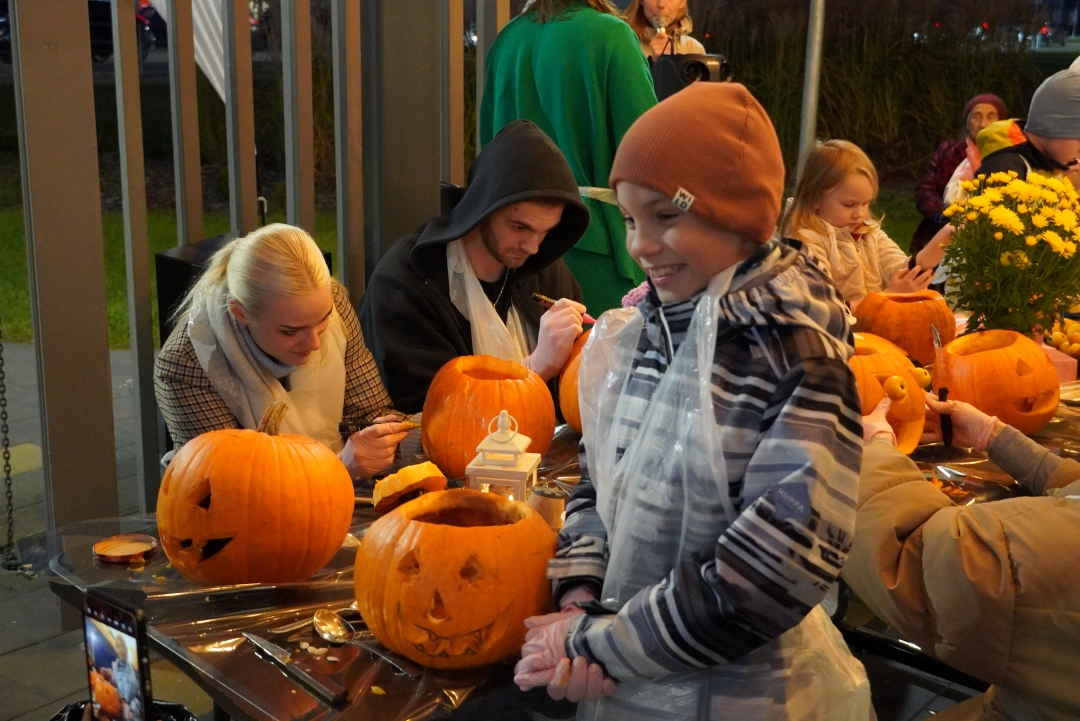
x: 787, y: 414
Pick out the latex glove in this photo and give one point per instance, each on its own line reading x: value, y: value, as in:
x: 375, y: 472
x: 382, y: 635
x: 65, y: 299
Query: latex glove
x: 971, y: 427
x: 876, y: 423
x: 909, y: 281
x: 370, y: 450
x: 544, y: 662
x: 560, y: 326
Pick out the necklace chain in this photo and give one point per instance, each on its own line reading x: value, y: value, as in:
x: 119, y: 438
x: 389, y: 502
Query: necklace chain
x: 506, y: 276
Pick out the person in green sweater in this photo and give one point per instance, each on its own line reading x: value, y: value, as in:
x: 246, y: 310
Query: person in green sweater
x: 575, y: 68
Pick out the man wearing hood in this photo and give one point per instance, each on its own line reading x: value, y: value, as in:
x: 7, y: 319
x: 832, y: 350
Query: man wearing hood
x: 463, y: 283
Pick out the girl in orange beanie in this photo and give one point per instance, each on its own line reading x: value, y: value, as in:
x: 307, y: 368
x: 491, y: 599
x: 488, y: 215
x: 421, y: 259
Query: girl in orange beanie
x: 831, y: 214
x: 720, y: 450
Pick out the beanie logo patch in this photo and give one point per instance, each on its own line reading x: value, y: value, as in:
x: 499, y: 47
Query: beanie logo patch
x: 683, y: 199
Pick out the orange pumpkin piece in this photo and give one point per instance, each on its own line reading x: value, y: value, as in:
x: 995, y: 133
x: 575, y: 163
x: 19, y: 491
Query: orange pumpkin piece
x: 390, y: 492
x: 568, y: 384
x: 105, y: 695
x: 875, y: 363
x: 1003, y: 374
x: 243, y: 506
x: 905, y: 320
x: 467, y: 393
x: 449, y: 578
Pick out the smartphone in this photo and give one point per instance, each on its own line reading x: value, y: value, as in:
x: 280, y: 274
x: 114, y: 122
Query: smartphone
x: 117, y: 659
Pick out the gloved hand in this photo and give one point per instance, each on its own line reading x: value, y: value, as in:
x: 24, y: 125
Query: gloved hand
x: 560, y: 326
x: 544, y: 662
x: 876, y: 423
x: 971, y: 427
x: 370, y: 450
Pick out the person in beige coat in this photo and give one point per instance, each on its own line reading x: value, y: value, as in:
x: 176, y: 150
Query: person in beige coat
x: 992, y: 589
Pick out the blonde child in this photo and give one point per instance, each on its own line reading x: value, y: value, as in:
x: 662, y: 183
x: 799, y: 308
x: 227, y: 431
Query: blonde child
x: 831, y: 214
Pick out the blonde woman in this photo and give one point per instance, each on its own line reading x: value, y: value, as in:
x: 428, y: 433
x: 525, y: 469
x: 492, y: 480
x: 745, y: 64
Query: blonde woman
x: 831, y: 214
x: 266, y: 322
x: 663, y: 27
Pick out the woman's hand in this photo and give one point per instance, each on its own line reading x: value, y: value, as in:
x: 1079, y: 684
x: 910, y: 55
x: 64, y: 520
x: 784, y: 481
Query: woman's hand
x: 910, y: 281
x: 370, y: 450
x: 971, y: 427
x: 659, y: 43
x: 544, y: 662
x: 931, y: 255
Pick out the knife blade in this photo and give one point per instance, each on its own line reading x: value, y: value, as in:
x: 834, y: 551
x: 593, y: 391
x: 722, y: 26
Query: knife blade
x: 937, y: 382
x: 323, y: 688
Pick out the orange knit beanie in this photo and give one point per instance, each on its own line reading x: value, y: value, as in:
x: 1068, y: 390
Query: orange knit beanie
x: 711, y: 149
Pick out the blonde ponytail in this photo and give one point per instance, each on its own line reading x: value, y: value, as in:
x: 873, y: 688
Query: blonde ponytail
x: 273, y: 261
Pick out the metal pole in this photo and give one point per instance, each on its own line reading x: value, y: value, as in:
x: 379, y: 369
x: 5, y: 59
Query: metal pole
x: 136, y: 250
x: 811, y: 81
x: 491, y: 15
x: 453, y: 105
x: 185, y: 124
x: 54, y: 113
x: 240, y: 117
x: 299, y: 122
x: 348, y: 146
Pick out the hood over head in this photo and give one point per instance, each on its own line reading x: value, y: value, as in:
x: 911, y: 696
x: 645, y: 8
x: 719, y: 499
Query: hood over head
x: 520, y: 163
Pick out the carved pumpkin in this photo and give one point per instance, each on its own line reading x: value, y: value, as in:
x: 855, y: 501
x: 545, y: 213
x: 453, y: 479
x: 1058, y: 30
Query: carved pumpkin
x: 905, y: 319
x: 568, y: 395
x: 1003, y: 374
x: 875, y: 363
x: 467, y: 393
x: 398, y: 488
x: 243, y: 506
x: 104, y: 695
x: 448, y: 579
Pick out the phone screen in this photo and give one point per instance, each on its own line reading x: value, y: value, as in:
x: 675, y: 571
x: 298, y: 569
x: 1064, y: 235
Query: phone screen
x: 114, y: 661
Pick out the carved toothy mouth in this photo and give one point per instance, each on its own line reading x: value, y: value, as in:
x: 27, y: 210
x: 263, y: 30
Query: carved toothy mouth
x: 430, y: 643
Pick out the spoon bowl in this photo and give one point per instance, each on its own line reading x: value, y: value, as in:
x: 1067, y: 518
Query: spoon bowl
x: 333, y: 628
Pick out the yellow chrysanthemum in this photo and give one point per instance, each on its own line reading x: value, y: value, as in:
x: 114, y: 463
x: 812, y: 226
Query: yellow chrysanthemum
x: 967, y: 185
x: 973, y: 216
x: 992, y: 195
x: 1049, y: 196
x: 998, y: 236
x: 1006, y: 259
x: 998, y: 178
x: 1065, y: 219
x: 1031, y: 240
x: 1020, y: 259
x: 1004, y: 218
x: 981, y: 202
x: 1039, y: 221
x: 1046, y: 211
x: 951, y: 211
x: 1069, y: 249
x: 1021, y: 208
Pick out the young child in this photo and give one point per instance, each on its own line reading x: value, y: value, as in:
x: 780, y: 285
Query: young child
x: 831, y: 214
x: 720, y: 452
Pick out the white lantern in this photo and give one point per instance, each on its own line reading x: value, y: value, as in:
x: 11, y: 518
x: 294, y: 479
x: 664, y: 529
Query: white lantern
x: 502, y: 465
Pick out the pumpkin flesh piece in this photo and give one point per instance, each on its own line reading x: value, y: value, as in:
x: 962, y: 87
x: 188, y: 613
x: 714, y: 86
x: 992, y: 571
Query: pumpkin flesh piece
x: 876, y: 360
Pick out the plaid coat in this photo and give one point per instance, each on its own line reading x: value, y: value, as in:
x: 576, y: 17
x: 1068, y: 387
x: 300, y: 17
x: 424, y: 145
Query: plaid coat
x: 191, y: 406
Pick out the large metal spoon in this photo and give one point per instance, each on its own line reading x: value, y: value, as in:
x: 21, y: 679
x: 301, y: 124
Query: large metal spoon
x: 335, y: 629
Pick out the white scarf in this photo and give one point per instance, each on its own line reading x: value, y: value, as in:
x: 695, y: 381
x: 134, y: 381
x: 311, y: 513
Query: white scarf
x: 316, y: 394
x: 490, y: 336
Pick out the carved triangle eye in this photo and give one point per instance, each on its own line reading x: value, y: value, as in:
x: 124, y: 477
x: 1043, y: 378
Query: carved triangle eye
x: 472, y: 571
x: 409, y: 564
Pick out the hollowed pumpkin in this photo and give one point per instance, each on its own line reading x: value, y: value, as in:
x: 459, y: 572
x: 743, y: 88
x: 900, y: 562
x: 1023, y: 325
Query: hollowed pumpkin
x: 568, y: 390
x: 1004, y: 374
x: 105, y: 695
x: 448, y: 579
x: 875, y: 362
x: 391, y: 491
x: 467, y: 393
x: 243, y: 506
x: 905, y: 319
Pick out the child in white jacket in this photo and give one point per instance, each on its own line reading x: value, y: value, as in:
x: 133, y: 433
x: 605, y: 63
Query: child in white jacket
x: 831, y: 214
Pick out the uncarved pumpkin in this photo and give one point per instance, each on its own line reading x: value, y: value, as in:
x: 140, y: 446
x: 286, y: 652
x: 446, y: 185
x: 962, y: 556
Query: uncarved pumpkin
x: 568, y: 390
x: 449, y: 578
x: 876, y: 360
x: 467, y: 393
x: 243, y: 506
x: 1003, y: 374
x: 905, y: 320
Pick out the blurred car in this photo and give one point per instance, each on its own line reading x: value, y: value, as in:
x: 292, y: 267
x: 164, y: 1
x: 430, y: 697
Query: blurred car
x: 1050, y: 35
x: 100, y: 17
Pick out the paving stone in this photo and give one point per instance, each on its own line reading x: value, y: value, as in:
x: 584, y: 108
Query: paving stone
x: 53, y: 669
x: 18, y: 699
x: 46, y: 712
x: 27, y: 488
x: 34, y: 616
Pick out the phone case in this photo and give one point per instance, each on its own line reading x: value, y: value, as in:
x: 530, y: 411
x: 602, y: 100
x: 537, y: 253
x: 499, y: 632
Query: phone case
x: 115, y: 635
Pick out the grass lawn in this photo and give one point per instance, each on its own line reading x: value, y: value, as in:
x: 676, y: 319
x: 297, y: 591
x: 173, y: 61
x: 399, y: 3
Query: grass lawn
x: 161, y: 226
x: 900, y: 218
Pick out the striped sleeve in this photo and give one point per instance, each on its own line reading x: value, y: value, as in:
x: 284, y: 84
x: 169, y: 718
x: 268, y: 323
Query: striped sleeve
x: 773, y: 564
x: 581, y: 553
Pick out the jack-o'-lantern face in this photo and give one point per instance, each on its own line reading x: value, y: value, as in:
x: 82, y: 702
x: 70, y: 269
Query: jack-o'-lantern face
x: 449, y: 578
x: 1004, y: 374
x: 243, y: 506
x: 875, y: 363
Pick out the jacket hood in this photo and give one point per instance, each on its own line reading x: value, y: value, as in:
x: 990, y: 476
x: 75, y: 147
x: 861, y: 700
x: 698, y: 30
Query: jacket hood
x: 787, y: 287
x: 520, y: 163
x: 1000, y: 135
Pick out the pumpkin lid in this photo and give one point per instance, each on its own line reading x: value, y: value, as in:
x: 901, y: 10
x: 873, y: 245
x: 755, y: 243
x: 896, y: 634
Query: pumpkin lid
x: 389, y: 491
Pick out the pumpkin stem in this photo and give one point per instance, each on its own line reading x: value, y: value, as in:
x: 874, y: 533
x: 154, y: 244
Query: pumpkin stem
x: 271, y: 420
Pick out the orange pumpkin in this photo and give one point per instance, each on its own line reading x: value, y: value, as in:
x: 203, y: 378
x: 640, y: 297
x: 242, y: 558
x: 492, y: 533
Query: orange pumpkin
x: 467, y: 393
x: 105, y: 695
x: 875, y: 363
x: 243, y: 506
x: 1004, y: 374
x: 391, y: 491
x: 905, y: 319
x: 568, y: 395
x: 448, y: 579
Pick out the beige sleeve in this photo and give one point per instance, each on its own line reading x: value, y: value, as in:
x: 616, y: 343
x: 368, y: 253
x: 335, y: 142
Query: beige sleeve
x: 892, y: 258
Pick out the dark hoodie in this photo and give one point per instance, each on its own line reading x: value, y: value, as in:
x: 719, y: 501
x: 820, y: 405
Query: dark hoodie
x: 408, y: 319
